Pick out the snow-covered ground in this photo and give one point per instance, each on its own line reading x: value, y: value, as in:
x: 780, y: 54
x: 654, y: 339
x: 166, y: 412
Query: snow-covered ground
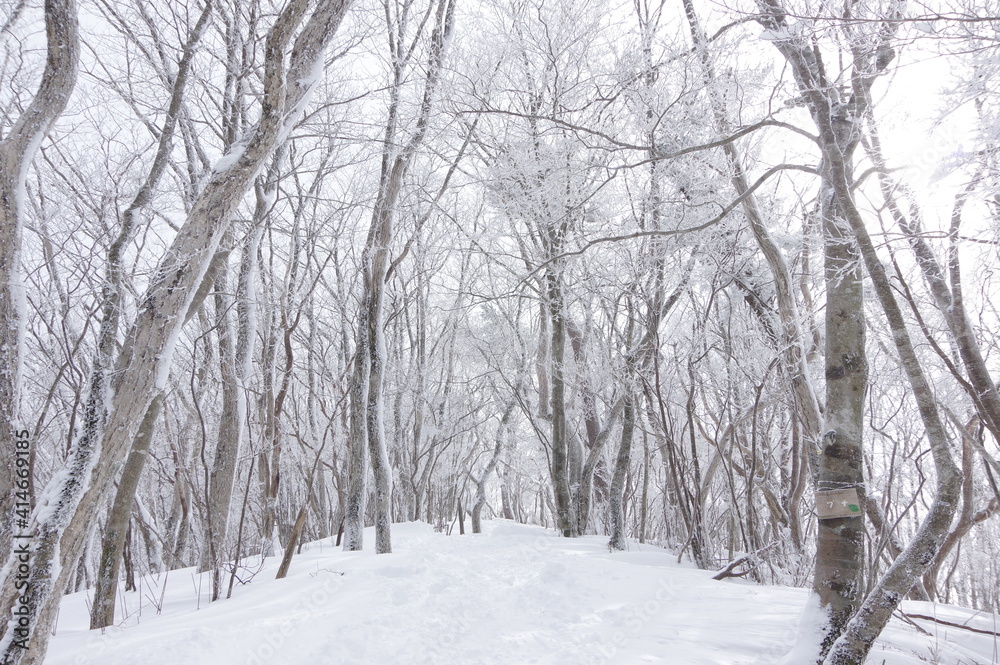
x: 512, y: 595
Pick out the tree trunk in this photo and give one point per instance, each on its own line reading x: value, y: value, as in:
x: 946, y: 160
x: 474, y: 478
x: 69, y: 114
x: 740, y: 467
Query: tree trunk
x: 116, y: 530
x: 559, y: 441
x: 696, y: 525
x: 950, y: 299
x: 102, y: 613
x: 477, y: 507
x: 877, y: 608
x: 236, y: 352
x: 295, y: 536
x: 840, y: 542
x: 357, y: 476
x: 967, y: 518
x: 836, y: 121
x: 616, y: 499
x: 217, y: 492
x: 366, y: 390
x: 17, y: 151
x: 644, y: 508
x: 144, y: 363
x: 594, y: 457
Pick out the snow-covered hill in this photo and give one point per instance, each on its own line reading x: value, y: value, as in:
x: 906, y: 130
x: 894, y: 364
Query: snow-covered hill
x: 515, y: 594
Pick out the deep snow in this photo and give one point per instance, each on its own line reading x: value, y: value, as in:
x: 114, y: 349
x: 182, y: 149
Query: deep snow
x: 514, y: 594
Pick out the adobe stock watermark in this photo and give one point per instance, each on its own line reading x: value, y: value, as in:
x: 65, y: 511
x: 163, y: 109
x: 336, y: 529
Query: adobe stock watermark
x: 22, y: 539
x: 637, y: 618
x: 309, y: 605
x: 446, y: 648
x: 786, y: 645
x: 935, y: 157
x: 96, y: 648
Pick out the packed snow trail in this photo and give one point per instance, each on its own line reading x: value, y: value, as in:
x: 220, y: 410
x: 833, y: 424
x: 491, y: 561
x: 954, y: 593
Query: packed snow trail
x: 512, y: 595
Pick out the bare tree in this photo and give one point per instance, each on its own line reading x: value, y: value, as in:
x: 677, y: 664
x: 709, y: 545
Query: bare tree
x: 17, y: 151
x: 855, y: 623
x: 103, y: 610
x: 143, y: 366
x: 367, y: 426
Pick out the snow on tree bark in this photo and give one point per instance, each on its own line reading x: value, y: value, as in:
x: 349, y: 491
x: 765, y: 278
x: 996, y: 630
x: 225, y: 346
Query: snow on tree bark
x: 477, y: 508
x: 367, y: 425
x: 17, y: 151
x: 616, y: 499
x: 102, y: 612
x: 68, y: 509
x: 838, y: 123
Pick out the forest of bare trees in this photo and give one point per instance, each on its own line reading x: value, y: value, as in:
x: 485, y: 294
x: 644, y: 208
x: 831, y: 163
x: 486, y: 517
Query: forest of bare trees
x: 712, y: 276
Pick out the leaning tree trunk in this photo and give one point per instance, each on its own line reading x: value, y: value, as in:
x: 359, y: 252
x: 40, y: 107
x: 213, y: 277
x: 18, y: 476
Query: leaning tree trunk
x: 116, y: 531
x: 67, y: 508
x: 295, y: 535
x: 949, y: 299
x: 17, y: 151
x: 102, y: 612
x: 968, y: 517
x: 103, y: 609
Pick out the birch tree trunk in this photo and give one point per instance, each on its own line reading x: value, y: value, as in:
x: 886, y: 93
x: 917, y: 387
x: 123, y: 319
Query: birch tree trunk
x: 67, y: 508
